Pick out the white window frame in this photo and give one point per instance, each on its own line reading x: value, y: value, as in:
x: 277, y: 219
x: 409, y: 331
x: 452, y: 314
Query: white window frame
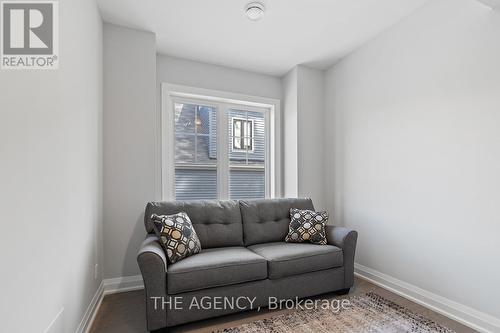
x: 223, y: 101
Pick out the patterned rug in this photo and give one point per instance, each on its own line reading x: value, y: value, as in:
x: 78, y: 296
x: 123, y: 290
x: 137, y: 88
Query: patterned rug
x: 366, y: 313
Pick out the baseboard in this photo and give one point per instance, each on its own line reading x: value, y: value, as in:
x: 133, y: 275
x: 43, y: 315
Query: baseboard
x: 470, y: 317
x: 122, y: 284
x: 89, y: 315
x: 108, y: 287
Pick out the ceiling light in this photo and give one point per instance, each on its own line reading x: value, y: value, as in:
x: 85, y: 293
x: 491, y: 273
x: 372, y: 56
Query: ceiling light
x: 254, y: 11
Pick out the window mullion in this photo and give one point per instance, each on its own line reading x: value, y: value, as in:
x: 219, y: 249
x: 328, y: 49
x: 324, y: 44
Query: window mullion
x: 268, y: 169
x: 196, y: 134
x: 245, y: 134
x: 222, y: 152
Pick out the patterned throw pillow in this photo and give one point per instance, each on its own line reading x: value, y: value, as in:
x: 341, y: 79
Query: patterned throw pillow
x: 307, y: 226
x: 177, y: 235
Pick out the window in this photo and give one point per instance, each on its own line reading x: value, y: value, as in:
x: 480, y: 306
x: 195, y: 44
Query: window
x: 242, y: 134
x: 215, y: 148
x: 247, y: 156
x: 195, y: 151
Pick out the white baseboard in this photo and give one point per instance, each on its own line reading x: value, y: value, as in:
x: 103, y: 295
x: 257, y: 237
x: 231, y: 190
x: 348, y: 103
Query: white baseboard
x: 108, y: 287
x: 89, y: 315
x: 473, y: 318
x: 122, y: 284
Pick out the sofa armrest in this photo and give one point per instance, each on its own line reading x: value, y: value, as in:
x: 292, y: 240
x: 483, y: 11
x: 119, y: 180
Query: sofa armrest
x: 345, y: 239
x: 153, y: 264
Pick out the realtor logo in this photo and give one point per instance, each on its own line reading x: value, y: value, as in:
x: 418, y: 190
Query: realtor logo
x: 29, y: 35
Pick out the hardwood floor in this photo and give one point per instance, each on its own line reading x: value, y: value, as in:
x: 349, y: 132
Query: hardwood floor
x: 125, y: 313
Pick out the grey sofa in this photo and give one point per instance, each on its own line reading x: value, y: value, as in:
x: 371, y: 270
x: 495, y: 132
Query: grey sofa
x: 243, y: 255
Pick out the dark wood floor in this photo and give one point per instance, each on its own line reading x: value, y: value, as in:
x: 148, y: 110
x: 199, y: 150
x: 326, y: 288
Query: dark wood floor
x: 125, y: 313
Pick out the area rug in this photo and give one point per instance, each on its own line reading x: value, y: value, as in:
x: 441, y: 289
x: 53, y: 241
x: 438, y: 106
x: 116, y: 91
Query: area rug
x: 366, y: 313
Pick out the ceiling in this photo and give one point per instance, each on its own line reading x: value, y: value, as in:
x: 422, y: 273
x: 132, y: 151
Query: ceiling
x: 316, y: 33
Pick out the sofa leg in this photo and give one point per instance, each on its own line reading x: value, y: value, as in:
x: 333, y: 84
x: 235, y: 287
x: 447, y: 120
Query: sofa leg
x: 342, y: 292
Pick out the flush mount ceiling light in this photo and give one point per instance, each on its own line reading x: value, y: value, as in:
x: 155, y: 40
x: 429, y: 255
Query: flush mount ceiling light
x: 254, y: 11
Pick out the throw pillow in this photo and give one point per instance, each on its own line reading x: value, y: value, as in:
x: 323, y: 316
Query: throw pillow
x: 177, y: 235
x: 307, y: 226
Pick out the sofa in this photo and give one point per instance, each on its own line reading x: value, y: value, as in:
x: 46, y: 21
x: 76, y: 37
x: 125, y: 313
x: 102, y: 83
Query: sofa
x: 243, y: 257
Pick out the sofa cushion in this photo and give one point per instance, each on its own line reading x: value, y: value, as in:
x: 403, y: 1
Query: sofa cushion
x: 215, y: 267
x: 267, y: 220
x: 217, y: 223
x: 286, y: 259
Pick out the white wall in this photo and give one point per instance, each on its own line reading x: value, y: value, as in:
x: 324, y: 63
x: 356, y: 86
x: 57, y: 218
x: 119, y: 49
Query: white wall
x: 290, y: 134
x: 129, y: 144
x: 415, y: 151
x: 50, y: 176
x: 201, y: 75
x: 303, y: 115
x: 310, y: 142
